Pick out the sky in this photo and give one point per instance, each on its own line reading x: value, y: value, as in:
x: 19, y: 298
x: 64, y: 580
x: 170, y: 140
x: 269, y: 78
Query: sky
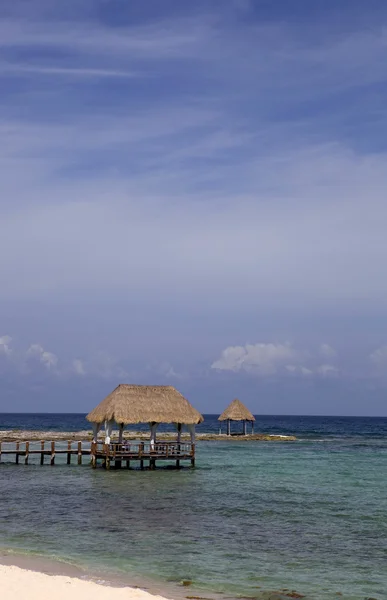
x: 194, y: 194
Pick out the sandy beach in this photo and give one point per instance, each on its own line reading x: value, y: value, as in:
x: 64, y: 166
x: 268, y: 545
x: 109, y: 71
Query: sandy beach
x: 31, y: 585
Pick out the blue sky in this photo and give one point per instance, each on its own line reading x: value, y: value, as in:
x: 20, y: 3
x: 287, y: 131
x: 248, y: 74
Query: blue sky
x: 194, y: 194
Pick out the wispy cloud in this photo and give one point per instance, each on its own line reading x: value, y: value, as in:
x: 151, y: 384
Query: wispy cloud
x: 64, y: 71
x: 327, y: 351
x: 378, y: 358
x: 48, y: 359
x: 79, y: 367
x: 5, y: 341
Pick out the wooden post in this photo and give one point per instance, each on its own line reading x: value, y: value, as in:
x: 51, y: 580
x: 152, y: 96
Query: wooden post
x: 0, y: 451
x: 17, y: 453
x: 52, y: 461
x: 93, y: 451
x: 192, y: 455
x: 244, y: 428
x: 177, y: 464
x: 107, y: 456
x: 228, y: 427
x: 79, y: 453
x: 42, y: 452
x: 27, y: 453
x: 152, y: 464
x: 140, y: 453
x: 69, y: 452
x: 252, y: 427
x: 128, y: 464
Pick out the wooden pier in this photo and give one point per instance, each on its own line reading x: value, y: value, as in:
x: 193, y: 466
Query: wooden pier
x: 139, y: 454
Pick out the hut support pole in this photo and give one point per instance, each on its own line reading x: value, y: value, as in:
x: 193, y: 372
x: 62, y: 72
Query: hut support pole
x: 153, y: 426
x: 228, y: 427
x: 191, y: 429
x: 244, y: 428
x: 108, y: 430
x: 96, y: 428
x: 252, y: 427
x: 179, y: 428
x: 120, y: 433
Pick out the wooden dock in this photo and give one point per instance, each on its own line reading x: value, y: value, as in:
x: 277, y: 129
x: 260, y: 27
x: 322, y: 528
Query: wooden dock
x: 139, y: 454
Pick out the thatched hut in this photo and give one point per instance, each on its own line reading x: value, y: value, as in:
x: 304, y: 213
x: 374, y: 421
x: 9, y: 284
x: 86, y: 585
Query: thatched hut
x: 153, y: 404
x: 236, y: 411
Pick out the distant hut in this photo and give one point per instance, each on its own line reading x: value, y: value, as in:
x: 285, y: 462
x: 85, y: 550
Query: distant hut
x: 236, y: 411
x: 152, y: 404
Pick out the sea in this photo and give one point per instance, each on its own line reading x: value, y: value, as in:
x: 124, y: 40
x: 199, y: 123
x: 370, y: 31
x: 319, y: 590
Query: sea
x: 299, y: 519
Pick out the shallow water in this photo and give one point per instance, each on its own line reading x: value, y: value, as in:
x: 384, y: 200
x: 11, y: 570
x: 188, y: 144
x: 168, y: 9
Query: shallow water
x: 309, y: 516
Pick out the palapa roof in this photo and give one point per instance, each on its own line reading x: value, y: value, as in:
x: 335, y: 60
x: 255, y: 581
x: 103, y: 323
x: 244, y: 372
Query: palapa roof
x: 236, y: 411
x: 145, y: 404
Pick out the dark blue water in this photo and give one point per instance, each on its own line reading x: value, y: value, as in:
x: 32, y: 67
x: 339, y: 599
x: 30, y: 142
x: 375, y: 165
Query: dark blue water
x: 304, y: 427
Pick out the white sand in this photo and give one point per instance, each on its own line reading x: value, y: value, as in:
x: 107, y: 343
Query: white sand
x: 16, y: 583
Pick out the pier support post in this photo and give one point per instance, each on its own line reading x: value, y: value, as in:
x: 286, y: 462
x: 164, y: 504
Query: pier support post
x: 52, y: 461
x: 17, y: 453
x: 69, y: 452
x: 42, y: 452
x: 140, y: 453
x: 27, y: 453
x: 93, y: 454
x: 79, y: 453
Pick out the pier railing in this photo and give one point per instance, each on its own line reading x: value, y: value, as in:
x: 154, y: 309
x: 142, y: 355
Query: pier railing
x: 146, y: 449
x: 117, y: 452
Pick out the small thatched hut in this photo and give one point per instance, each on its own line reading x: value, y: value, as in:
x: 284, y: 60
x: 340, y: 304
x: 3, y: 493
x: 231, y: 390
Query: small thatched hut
x: 236, y: 411
x: 153, y: 404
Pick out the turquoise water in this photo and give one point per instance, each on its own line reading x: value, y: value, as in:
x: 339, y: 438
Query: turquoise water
x: 309, y: 516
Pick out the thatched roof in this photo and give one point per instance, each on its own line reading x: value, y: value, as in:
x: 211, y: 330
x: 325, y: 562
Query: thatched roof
x: 144, y: 404
x: 236, y: 411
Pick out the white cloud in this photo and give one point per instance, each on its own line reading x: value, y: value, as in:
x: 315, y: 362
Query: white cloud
x: 5, y: 341
x: 262, y: 358
x: 327, y: 351
x: 78, y: 367
x: 267, y: 359
x: 379, y: 357
x: 48, y: 359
